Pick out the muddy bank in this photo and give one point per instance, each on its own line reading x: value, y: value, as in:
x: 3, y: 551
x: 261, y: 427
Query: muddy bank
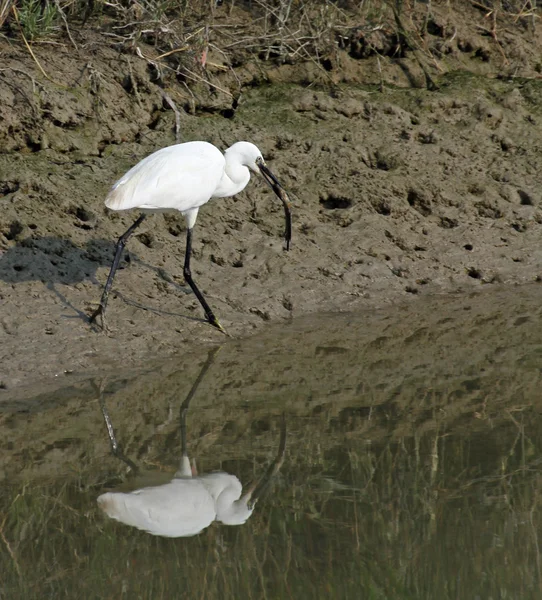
x: 397, y: 193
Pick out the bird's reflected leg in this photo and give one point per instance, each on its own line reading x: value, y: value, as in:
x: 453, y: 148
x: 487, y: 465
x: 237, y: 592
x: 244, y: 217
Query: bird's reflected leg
x: 209, y: 315
x: 118, y: 253
x: 116, y: 448
x: 185, y: 469
x: 259, y: 489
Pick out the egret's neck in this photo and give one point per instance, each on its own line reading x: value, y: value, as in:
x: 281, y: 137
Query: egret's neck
x: 232, y: 512
x: 231, y: 508
x: 235, y: 178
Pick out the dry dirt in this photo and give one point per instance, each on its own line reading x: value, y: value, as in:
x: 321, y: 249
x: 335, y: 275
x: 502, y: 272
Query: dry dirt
x: 397, y: 193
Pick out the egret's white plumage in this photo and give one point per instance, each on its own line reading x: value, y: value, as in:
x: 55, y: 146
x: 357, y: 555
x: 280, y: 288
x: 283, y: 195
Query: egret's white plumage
x: 184, y: 177
x: 183, y: 507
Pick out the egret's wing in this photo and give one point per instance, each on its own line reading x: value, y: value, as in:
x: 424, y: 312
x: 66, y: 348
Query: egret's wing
x: 180, y: 177
x: 180, y: 508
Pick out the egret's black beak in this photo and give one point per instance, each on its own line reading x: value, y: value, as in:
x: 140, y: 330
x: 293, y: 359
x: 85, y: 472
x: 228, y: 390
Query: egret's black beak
x: 274, y: 184
x: 258, y: 490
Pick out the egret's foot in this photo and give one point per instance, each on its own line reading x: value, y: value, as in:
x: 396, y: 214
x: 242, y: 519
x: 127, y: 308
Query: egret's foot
x: 215, y: 323
x: 99, y: 312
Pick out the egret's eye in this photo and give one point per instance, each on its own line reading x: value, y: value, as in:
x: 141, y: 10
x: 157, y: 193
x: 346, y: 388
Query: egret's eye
x: 259, y: 161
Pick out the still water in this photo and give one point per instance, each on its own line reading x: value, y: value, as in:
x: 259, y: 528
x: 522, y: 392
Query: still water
x: 411, y: 469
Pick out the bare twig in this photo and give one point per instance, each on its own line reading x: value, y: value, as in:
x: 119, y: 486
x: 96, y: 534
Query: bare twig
x: 34, y: 82
x: 134, y: 83
x: 174, y: 108
x: 195, y: 77
x: 192, y: 98
x: 65, y: 21
x: 8, y: 546
x: 174, y: 51
x: 381, y: 85
x: 5, y: 7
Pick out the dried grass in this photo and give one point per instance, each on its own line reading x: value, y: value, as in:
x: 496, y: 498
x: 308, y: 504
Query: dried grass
x: 183, y: 35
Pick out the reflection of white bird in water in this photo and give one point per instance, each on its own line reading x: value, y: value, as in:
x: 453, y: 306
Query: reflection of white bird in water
x: 188, y: 503
x: 184, y: 177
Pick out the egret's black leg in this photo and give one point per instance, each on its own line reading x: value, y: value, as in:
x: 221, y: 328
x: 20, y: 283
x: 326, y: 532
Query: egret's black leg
x: 188, y: 278
x: 118, y: 253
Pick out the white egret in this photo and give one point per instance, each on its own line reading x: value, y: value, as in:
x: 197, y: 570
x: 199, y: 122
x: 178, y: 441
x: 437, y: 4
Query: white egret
x: 184, y: 177
x: 189, y: 502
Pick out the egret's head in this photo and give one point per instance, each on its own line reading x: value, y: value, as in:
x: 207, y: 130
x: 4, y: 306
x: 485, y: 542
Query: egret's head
x: 239, y: 513
x: 247, y: 154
